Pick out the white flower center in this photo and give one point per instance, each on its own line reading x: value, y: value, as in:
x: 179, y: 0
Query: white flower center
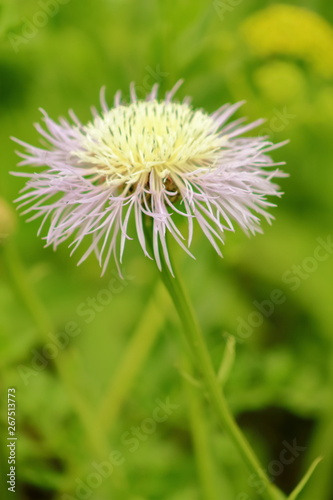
x: 128, y: 142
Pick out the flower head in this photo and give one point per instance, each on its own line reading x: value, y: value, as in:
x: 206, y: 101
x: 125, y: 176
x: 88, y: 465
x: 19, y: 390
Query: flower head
x: 148, y: 159
x: 291, y: 32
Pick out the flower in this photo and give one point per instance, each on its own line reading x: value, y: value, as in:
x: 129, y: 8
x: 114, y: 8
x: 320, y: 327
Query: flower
x: 291, y: 32
x: 153, y: 159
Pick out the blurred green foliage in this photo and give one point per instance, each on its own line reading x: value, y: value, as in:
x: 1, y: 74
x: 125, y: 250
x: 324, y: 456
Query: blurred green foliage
x: 56, y: 55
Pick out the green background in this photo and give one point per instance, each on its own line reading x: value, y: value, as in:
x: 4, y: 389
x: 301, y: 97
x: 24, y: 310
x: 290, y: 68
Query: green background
x: 124, y: 357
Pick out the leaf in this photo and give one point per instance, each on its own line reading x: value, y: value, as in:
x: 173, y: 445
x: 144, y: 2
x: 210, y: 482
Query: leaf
x: 227, y: 360
x: 294, y: 494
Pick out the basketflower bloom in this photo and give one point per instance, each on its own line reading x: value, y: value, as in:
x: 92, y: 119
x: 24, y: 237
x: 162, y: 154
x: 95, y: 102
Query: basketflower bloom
x: 151, y: 158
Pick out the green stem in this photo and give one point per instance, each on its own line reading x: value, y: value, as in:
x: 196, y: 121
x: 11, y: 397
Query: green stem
x: 135, y: 355
x: 35, y: 308
x: 202, y: 360
x: 203, y: 455
x: 321, y: 445
x: 23, y: 289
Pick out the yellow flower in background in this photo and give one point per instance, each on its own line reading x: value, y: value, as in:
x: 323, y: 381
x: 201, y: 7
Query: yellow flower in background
x: 291, y: 31
x: 280, y: 81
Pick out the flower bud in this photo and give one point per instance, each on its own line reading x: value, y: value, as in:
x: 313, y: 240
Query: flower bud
x: 8, y: 221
